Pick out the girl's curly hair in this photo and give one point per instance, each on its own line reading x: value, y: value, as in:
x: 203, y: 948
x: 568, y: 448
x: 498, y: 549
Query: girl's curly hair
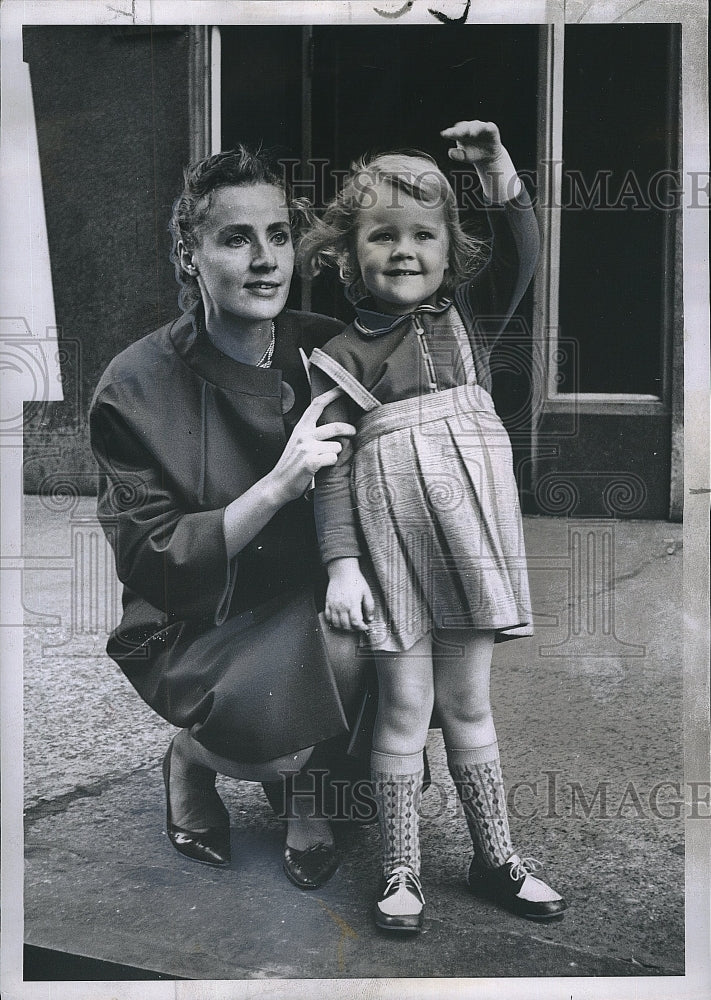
x: 240, y: 167
x: 330, y: 242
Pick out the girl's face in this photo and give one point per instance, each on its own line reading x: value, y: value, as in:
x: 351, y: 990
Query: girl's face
x: 402, y: 247
x: 244, y: 257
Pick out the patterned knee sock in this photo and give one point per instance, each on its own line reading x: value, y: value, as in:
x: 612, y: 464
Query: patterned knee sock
x: 480, y: 786
x: 397, y: 781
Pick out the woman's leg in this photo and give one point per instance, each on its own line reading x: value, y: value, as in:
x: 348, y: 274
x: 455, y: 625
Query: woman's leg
x: 462, y: 669
x: 195, y: 753
x: 193, y: 769
x: 405, y: 699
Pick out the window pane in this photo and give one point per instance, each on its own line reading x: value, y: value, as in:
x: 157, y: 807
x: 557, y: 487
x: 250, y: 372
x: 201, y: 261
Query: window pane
x: 619, y: 126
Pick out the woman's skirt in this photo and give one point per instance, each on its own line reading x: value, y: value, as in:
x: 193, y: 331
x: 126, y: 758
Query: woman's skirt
x: 438, y: 507
x: 265, y: 683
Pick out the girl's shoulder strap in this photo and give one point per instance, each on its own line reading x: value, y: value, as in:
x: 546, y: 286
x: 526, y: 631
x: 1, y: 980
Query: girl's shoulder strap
x: 465, y: 349
x: 343, y: 378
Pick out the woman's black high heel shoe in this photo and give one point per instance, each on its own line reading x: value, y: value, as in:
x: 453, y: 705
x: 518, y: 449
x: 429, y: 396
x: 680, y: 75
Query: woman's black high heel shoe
x: 209, y: 847
x: 312, y: 867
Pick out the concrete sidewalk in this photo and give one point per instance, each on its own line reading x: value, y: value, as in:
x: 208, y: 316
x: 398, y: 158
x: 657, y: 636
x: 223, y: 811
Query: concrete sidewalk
x: 589, y: 714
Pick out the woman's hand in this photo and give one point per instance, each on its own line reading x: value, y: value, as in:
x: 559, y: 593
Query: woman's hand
x: 349, y: 602
x: 479, y: 144
x: 309, y: 449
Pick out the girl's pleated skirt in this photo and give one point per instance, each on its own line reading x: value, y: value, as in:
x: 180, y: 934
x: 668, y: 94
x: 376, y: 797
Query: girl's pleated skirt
x: 438, y: 506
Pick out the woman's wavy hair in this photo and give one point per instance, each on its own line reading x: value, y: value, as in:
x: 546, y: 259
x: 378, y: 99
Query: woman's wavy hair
x: 239, y: 167
x: 330, y: 242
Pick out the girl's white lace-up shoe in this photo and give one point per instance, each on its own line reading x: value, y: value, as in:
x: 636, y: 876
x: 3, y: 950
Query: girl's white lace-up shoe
x: 401, y: 905
x: 515, y: 887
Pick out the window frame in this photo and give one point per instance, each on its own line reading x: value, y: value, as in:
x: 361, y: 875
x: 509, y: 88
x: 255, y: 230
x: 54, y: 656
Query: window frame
x: 547, y: 280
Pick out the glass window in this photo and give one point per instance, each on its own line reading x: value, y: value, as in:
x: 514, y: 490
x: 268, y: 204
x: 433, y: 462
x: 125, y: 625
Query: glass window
x: 619, y: 150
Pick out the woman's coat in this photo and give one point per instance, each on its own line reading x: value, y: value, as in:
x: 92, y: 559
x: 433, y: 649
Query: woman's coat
x: 179, y: 430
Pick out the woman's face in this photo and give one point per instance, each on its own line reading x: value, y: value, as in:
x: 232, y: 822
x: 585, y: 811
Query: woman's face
x: 244, y: 257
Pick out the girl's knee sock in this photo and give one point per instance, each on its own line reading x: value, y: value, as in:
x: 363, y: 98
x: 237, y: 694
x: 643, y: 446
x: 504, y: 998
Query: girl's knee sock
x: 397, y: 786
x: 480, y: 786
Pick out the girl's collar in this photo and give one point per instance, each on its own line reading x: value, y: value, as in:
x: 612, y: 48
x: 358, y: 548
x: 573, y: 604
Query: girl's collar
x: 371, y: 323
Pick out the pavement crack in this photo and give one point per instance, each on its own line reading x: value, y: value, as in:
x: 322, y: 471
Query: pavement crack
x: 38, y: 846
x: 616, y: 580
x: 567, y: 946
x: 593, y: 953
x: 44, y: 807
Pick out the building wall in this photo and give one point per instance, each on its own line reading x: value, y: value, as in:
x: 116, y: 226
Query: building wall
x: 111, y: 108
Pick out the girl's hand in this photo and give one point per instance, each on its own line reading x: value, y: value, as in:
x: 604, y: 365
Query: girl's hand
x: 349, y: 602
x: 479, y: 144
x: 309, y: 449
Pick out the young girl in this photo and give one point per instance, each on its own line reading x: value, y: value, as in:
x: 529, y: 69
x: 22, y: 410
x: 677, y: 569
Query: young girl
x: 419, y: 521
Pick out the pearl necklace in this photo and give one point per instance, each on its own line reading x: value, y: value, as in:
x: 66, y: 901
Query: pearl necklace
x: 266, y: 359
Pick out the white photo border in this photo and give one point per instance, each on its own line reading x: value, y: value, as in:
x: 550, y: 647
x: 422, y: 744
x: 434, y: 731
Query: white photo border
x: 692, y: 14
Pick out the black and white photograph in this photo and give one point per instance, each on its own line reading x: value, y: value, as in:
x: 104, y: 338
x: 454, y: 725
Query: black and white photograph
x: 355, y: 455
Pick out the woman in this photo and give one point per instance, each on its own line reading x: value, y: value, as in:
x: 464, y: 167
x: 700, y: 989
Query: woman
x: 207, y: 443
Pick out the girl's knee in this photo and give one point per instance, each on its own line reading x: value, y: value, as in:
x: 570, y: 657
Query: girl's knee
x: 405, y: 700
x: 464, y: 707
x: 400, y: 734
x: 413, y: 700
x: 405, y: 718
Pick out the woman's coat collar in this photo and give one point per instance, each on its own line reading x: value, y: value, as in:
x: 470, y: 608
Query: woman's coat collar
x: 192, y: 344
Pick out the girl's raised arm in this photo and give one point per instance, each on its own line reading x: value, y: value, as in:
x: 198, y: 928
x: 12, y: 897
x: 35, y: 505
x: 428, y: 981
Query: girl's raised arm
x: 491, y: 296
x: 479, y: 144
